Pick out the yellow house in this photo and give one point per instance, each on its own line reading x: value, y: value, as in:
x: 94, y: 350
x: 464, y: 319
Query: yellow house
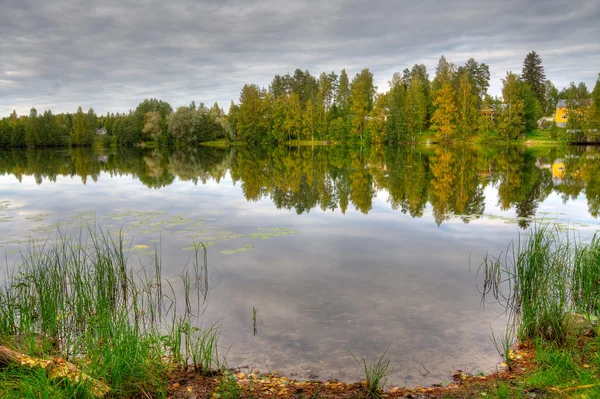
x: 561, y: 116
x: 561, y: 113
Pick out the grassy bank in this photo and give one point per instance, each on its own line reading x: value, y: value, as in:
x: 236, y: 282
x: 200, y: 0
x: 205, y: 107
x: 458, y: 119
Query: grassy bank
x: 77, y: 298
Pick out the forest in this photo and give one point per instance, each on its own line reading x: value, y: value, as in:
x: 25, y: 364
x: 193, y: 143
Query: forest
x: 453, y: 106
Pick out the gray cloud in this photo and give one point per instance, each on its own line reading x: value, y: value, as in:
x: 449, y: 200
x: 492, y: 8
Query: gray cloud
x: 113, y: 54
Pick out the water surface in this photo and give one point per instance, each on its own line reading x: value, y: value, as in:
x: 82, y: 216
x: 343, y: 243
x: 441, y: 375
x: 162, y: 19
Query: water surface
x: 361, y: 249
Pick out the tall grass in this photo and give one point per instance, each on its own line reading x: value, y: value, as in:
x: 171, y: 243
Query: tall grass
x: 542, y: 279
x: 117, y: 323
x: 375, y: 373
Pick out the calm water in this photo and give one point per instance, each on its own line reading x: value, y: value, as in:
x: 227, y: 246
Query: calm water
x: 360, y: 249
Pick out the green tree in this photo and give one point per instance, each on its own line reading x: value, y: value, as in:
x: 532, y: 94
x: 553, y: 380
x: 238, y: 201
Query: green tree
x: 32, y: 130
x: 534, y: 76
x: 378, y: 118
x: 232, y: 118
x: 419, y: 71
x: 485, y: 119
x: 152, y: 128
x: 343, y: 93
x: 594, y: 113
x: 181, y: 124
x: 293, y: 117
x: 81, y: 129
x: 511, y: 118
x: 443, y: 73
x: 479, y: 73
x: 151, y: 105
x: 551, y: 97
x: 415, y: 107
x: 532, y: 111
x: 217, y: 115
x: 467, y: 106
x: 309, y: 123
x: 361, y: 101
x: 252, y: 125
x: 397, y: 124
x: 578, y: 107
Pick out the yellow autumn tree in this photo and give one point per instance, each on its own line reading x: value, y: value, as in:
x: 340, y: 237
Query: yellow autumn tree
x: 444, y: 117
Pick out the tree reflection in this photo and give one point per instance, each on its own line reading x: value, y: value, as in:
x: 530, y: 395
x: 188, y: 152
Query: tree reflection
x: 451, y: 179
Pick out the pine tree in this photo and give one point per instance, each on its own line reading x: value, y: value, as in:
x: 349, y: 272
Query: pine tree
x: 443, y: 73
x: 343, y: 93
x: 533, y: 74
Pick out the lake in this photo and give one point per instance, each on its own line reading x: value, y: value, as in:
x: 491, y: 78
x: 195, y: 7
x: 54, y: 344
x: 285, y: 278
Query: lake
x: 339, y: 249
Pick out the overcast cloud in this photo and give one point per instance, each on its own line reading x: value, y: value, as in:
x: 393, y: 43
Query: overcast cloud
x: 112, y: 54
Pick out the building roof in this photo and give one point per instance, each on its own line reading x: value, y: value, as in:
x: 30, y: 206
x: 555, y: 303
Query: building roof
x: 584, y: 101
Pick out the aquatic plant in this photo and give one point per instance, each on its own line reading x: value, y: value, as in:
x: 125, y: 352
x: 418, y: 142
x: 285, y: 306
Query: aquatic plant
x: 114, y: 321
x: 543, y: 279
x: 375, y: 374
x: 245, y: 248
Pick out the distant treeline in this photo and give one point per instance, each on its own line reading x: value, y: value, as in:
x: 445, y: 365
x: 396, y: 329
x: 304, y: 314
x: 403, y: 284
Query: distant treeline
x: 455, y: 105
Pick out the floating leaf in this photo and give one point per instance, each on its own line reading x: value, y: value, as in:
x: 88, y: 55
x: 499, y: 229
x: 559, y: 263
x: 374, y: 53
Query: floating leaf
x: 274, y: 232
x: 245, y: 248
x: 141, y: 246
x: 227, y: 237
x: 39, y: 217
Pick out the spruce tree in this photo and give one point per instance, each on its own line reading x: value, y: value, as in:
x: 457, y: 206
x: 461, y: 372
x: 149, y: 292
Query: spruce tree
x: 533, y: 74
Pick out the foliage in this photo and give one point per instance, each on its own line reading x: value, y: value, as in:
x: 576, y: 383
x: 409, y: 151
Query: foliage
x: 533, y: 75
x: 362, y: 91
x: 327, y: 107
x: 192, y: 126
x: 542, y: 280
x: 444, y: 117
x: 467, y: 107
x: 511, y: 117
x: 81, y: 293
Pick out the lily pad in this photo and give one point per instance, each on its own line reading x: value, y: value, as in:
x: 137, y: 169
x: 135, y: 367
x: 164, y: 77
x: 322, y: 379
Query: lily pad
x: 227, y: 237
x: 274, y: 232
x: 245, y: 248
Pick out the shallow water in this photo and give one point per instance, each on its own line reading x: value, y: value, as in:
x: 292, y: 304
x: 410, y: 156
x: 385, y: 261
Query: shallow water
x: 338, y: 248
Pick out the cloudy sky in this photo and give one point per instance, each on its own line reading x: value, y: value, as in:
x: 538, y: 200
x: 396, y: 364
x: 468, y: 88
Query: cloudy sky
x: 112, y: 54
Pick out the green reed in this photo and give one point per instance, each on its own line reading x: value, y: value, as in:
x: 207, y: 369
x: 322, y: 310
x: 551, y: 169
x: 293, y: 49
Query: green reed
x: 375, y: 374
x: 117, y: 323
x: 542, y: 279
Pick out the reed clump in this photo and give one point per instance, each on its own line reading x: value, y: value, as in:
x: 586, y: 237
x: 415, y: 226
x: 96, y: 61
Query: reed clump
x: 119, y: 324
x: 549, y: 282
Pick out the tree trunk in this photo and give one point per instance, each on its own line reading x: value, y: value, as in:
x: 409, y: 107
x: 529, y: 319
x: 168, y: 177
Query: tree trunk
x: 56, y: 368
